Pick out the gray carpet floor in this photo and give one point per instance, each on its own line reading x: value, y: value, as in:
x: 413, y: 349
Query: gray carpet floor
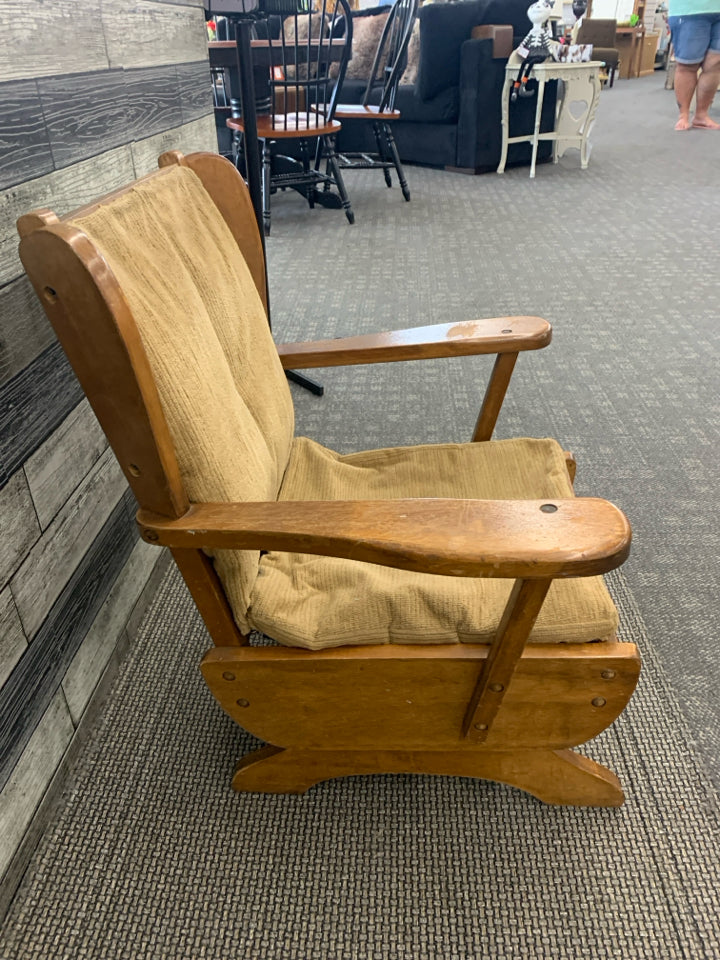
x: 152, y: 855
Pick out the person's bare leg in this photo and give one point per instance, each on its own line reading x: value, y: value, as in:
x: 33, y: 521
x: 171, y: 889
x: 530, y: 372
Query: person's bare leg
x: 686, y: 80
x: 706, y: 89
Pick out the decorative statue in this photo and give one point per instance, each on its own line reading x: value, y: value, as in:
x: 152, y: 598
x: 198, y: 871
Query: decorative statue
x: 537, y: 46
x: 579, y: 8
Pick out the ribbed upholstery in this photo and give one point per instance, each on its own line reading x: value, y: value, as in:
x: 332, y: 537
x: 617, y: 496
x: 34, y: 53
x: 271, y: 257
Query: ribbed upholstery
x: 206, y: 335
x: 316, y: 602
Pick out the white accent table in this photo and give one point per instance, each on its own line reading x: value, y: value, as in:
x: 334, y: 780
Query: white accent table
x: 580, y: 88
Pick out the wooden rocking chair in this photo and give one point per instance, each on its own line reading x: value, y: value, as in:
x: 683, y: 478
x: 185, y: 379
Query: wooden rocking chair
x: 377, y: 563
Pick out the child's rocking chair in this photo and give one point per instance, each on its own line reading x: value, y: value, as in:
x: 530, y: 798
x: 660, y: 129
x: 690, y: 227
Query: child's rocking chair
x: 439, y: 609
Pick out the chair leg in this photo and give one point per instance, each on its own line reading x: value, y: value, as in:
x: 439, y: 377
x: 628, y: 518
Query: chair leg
x: 266, y: 187
x: 612, y: 76
x: 553, y: 776
x: 382, y: 151
x: 305, y: 158
x: 390, y: 139
x: 337, y: 177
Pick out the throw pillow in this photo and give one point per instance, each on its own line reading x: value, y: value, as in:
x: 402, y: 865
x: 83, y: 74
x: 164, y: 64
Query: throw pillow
x: 366, y: 37
x: 413, y: 57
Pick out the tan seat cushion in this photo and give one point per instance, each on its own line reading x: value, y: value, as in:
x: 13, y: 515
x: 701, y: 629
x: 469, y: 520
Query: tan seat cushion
x: 315, y: 602
x: 205, y: 332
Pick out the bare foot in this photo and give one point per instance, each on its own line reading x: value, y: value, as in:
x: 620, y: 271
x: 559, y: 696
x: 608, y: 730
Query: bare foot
x: 683, y: 123
x: 705, y: 123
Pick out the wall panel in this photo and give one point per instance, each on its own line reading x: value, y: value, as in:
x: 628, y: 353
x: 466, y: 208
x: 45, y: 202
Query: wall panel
x: 51, y: 474
x: 41, y: 38
x: 91, y: 91
x: 62, y: 191
x: 143, y: 33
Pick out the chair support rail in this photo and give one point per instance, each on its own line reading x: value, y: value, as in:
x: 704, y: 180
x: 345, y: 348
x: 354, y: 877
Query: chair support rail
x: 518, y: 619
x: 530, y: 539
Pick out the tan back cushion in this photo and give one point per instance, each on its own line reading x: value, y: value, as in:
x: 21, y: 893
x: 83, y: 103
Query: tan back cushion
x: 206, y: 335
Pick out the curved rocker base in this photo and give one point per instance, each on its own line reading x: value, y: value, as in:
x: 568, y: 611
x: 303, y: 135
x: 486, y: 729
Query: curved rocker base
x: 553, y: 776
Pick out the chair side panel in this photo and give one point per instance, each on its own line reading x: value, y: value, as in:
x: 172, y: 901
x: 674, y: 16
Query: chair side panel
x: 93, y: 323
x: 92, y: 320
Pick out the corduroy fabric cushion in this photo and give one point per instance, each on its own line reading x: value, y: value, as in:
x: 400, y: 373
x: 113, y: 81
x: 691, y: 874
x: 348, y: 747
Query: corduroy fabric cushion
x: 315, y: 602
x: 205, y: 332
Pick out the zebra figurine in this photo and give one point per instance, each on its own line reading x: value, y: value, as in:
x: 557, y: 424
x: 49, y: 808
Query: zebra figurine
x: 537, y: 47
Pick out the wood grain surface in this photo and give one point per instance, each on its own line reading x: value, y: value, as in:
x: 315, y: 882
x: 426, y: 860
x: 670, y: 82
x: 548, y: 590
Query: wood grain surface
x: 51, y: 474
x: 24, y: 332
x: 63, y: 190
x: 24, y: 141
x: 469, y: 337
x: 33, y: 403
x: 42, y: 39
x: 195, y: 92
x: 457, y: 538
x: 418, y: 694
x: 12, y: 639
x: 196, y: 135
x: 559, y: 777
x: 92, y: 656
x: 42, y: 576
x: 143, y: 33
x: 19, y: 525
x: 27, y: 693
x: 24, y: 790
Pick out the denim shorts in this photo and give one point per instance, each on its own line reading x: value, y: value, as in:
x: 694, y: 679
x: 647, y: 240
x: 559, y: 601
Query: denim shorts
x: 694, y: 36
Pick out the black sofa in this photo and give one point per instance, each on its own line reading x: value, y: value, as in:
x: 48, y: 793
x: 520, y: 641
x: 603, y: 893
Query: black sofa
x: 450, y: 117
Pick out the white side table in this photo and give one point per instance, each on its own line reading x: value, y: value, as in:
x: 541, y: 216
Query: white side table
x: 581, y: 86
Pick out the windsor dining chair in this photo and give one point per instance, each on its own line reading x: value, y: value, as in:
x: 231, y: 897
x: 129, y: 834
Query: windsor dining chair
x: 377, y: 108
x: 302, y: 92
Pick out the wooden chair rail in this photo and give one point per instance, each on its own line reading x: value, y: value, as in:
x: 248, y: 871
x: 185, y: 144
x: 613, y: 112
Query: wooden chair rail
x: 532, y: 539
x: 470, y: 337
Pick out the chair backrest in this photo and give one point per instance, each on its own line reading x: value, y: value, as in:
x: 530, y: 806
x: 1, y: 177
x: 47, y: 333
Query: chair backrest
x: 164, y: 280
x: 391, y: 54
x: 601, y: 33
x: 303, y: 89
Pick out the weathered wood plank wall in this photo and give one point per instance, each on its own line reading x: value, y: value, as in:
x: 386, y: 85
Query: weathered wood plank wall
x: 91, y: 91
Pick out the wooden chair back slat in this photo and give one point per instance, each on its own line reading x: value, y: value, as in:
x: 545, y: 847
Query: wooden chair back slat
x: 300, y: 72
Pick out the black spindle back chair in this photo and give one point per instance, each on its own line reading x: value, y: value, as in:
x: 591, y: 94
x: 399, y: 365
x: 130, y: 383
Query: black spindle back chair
x: 387, y: 69
x: 302, y: 94
x: 391, y: 54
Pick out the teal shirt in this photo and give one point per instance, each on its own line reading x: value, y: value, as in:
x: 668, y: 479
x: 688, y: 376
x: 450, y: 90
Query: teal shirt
x: 686, y: 8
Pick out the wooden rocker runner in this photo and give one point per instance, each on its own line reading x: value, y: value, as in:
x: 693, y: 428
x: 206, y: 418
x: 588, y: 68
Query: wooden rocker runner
x: 438, y: 609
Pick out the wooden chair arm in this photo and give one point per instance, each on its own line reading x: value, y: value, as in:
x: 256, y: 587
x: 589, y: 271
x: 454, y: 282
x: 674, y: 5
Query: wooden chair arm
x: 501, y: 36
x: 495, y: 335
x: 529, y: 539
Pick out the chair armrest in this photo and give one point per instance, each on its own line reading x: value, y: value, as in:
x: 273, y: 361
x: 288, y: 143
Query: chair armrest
x: 530, y: 539
x: 501, y: 36
x: 496, y: 335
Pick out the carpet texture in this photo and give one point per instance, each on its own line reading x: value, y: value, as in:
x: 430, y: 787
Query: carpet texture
x: 152, y: 854
x: 155, y: 856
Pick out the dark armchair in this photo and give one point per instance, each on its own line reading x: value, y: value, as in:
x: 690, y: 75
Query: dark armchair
x: 450, y: 113
x: 601, y: 34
